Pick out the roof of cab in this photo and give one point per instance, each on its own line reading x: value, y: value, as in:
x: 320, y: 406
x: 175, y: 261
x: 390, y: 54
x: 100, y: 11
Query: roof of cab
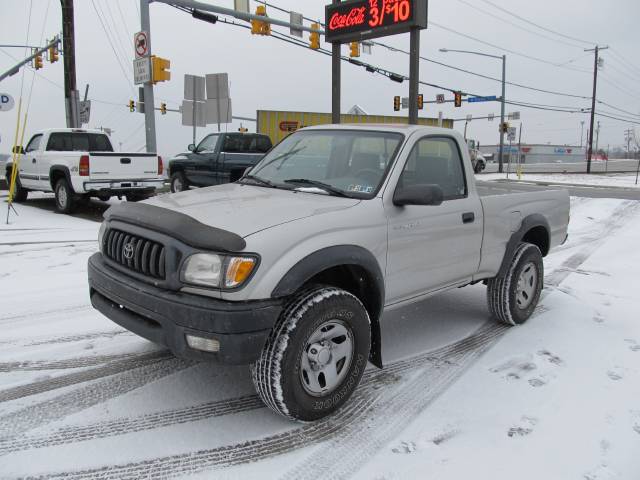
x: 384, y: 127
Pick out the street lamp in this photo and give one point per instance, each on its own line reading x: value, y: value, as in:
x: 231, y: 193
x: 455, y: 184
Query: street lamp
x: 502, y: 99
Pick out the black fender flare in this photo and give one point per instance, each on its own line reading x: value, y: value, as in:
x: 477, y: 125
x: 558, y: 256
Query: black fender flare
x: 342, y: 255
x: 529, y: 222
x: 62, y: 169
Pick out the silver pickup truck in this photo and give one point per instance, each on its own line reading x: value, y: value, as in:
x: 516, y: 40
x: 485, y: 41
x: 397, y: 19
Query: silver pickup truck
x: 291, y: 268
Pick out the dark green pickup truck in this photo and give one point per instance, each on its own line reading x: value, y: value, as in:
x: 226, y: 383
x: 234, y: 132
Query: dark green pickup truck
x: 218, y: 158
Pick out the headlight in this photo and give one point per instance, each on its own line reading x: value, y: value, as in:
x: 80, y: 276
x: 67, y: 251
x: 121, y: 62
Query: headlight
x: 103, y: 228
x: 213, y: 270
x: 203, y: 269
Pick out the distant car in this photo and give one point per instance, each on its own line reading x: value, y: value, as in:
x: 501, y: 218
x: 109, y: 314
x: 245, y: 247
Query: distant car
x: 77, y: 164
x: 3, y: 165
x: 219, y: 158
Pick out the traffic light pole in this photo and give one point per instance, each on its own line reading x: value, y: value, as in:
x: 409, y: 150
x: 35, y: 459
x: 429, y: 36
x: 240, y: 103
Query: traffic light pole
x: 149, y: 113
x: 414, y: 75
x: 502, y: 100
x: 69, y: 58
x: 593, y: 104
x: 16, y: 68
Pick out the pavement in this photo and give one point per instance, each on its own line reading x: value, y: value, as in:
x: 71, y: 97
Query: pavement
x: 575, y: 189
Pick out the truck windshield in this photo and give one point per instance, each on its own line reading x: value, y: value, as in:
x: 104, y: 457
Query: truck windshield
x: 353, y: 162
x: 79, y: 142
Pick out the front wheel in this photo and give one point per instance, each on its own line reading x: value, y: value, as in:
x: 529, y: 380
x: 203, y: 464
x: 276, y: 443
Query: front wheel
x: 315, y: 356
x: 19, y: 193
x: 513, y: 297
x: 179, y: 182
x: 65, y: 197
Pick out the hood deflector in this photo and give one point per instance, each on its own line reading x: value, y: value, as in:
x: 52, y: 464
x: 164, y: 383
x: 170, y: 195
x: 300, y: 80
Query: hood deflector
x: 177, y: 225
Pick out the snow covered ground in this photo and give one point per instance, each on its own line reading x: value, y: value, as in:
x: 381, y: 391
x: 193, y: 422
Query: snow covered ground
x: 461, y: 397
x: 598, y: 180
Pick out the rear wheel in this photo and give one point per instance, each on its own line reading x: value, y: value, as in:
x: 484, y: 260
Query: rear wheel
x: 179, y: 182
x: 315, y: 355
x: 65, y: 197
x: 512, y: 298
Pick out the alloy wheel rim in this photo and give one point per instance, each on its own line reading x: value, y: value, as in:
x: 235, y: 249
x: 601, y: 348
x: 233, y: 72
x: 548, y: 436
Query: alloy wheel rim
x: 527, y: 285
x: 326, y: 358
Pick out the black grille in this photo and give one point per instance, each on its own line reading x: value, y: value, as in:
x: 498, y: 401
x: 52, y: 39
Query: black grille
x: 143, y: 256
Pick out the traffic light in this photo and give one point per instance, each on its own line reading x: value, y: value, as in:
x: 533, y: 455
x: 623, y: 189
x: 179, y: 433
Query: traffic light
x: 132, y: 106
x: 420, y: 101
x: 243, y: 129
x: 504, y: 127
x: 163, y: 108
x: 314, y: 37
x: 354, y: 49
x: 258, y: 27
x: 159, y: 69
x: 457, y: 99
x: 53, y: 53
x: 396, y: 103
x: 37, y: 61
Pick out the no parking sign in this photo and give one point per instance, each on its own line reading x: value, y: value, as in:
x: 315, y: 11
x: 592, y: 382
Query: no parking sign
x: 6, y: 102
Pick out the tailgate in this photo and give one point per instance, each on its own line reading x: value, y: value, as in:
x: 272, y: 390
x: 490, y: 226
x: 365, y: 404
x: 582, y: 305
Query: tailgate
x: 122, y: 166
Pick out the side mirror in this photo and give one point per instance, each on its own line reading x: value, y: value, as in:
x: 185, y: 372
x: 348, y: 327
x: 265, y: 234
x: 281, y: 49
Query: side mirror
x: 418, y: 195
x: 18, y: 149
x: 191, y: 147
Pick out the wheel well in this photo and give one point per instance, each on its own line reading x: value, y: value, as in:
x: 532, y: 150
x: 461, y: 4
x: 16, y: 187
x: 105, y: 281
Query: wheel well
x: 175, y: 169
x: 539, y: 237
x: 360, y: 283
x: 54, y: 176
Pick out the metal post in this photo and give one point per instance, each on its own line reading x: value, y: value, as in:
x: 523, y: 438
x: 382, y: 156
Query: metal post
x: 606, y: 163
x: 69, y: 59
x: 597, y: 138
x: 581, y: 132
x: 414, y: 74
x: 466, y: 122
x: 502, y: 100
x: 195, y: 103
x: 335, y: 79
x: 519, y: 163
x: 149, y: 111
x: 593, y: 109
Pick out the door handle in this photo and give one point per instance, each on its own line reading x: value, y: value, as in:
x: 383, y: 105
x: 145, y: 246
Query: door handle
x: 468, y: 217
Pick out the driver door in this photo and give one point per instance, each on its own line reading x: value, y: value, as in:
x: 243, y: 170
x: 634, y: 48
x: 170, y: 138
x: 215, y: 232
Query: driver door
x: 29, y: 163
x: 202, y: 171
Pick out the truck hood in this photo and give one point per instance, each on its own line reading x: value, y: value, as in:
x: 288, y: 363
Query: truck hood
x: 247, y: 209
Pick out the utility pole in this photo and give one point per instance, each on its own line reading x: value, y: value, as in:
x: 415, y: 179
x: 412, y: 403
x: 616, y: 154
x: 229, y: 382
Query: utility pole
x: 593, y: 102
x: 597, y: 138
x: 627, y: 137
x: 149, y: 111
x: 502, y: 100
x: 581, y: 132
x: 69, y: 57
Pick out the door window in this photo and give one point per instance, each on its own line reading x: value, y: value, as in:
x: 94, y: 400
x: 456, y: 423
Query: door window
x: 436, y: 161
x: 208, y: 145
x: 34, y: 143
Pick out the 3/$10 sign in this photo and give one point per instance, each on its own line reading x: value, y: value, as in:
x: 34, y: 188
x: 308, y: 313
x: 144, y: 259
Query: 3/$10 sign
x: 358, y: 20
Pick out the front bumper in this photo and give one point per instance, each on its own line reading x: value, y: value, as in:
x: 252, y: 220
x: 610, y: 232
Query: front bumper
x: 165, y: 317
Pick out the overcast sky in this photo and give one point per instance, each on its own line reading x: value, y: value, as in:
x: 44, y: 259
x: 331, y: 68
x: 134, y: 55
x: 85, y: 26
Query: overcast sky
x: 266, y: 73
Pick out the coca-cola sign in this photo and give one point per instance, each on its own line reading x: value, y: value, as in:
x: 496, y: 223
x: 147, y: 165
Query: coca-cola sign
x: 357, y: 20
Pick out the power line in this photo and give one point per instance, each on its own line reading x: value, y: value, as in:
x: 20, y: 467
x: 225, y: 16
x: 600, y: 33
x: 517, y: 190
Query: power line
x: 536, y: 25
x: 113, y: 33
x: 625, y: 62
x: 495, y: 17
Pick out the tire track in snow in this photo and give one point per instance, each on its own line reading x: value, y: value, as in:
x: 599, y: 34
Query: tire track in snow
x: 71, y: 402
x: 67, y: 363
x: 111, y: 368
x: 355, y: 416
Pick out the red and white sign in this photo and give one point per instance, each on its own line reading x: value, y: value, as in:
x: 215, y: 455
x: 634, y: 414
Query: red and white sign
x: 141, y: 44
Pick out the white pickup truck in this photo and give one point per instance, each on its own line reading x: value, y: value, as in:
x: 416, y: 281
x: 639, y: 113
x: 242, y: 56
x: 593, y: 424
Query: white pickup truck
x: 77, y: 164
x: 292, y: 268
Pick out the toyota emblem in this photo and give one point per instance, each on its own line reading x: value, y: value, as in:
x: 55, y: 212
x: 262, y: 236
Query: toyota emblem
x: 127, y: 251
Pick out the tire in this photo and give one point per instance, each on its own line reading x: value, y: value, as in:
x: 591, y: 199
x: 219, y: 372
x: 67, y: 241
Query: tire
x: 65, y: 197
x: 20, y: 193
x: 104, y: 198
x: 283, y: 375
x: 512, y: 298
x: 179, y: 182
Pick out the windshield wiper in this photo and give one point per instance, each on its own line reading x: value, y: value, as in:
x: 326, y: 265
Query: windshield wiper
x: 258, y: 180
x: 323, y: 186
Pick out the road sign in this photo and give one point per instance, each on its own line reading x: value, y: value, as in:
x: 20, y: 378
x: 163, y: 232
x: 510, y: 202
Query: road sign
x: 490, y: 117
x: 514, y: 116
x: 296, y: 19
x: 85, y: 110
x: 194, y: 88
x: 469, y: 117
x: 440, y: 98
x: 405, y: 102
x: 218, y: 110
x: 187, y: 114
x: 491, y: 98
x: 357, y: 20
x: 6, y: 102
x: 511, y: 134
x: 141, y: 70
x: 217, y: 85
x: 141, y: 44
